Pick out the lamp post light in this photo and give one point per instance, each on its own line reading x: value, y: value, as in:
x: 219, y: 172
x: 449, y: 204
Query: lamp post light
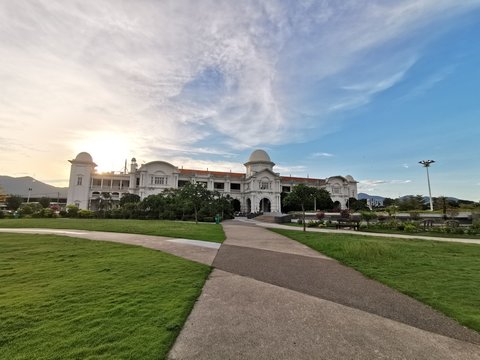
x: 426, y: 164
x: 29, y: 191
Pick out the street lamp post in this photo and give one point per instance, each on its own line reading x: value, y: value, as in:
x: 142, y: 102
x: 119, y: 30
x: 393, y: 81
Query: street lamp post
x: 29, y: 191
x: 426, y: 164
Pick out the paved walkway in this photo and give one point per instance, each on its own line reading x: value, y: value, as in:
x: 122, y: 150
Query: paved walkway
x: 270, y: 297
x: 273, y: 298
x: 200, y: 251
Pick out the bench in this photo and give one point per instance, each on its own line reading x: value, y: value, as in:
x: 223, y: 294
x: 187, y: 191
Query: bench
x: 348, y: 223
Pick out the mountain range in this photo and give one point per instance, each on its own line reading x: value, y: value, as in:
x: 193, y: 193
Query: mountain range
x: 20, y: 186
x: 379, y: 199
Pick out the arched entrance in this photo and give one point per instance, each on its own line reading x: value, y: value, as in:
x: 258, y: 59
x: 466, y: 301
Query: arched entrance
x: 249, y: 206
x: 236, y: 205
x: 265, y: 205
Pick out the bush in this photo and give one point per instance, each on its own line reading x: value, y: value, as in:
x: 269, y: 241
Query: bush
x: 345, y: 214
x: 117, y: 213
x: 299, y: 222
x: 29, y: 208
x: 476, y: 224
x: 313, y: 223
x: 472, y: 231
x: 368, y: 216
x: 410, y: 228
x: 49, y: 213
x: 72, y: 210
x: 86, y: 214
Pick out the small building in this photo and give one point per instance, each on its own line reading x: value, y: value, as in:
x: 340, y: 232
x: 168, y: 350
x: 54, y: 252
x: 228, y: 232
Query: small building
x: 256, y: 190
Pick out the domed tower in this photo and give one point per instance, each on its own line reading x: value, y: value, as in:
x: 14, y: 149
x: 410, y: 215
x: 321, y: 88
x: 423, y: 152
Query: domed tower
x: 352, y: 186
x: 81, y: 172
x: 258, y: 161
x: 262, y: 186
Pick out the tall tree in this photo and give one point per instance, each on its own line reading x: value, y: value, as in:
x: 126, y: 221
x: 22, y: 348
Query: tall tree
x: 129, y: 198
x: 196, y: 195
x: 13, y: 202
x: 301, y: 195
x: 324, y: 200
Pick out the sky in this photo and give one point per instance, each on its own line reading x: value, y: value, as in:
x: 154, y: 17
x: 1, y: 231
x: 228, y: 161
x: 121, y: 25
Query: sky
x: 361, y: 88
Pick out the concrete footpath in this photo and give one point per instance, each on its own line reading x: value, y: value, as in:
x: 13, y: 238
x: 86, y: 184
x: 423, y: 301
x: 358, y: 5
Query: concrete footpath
x: 270, y: 297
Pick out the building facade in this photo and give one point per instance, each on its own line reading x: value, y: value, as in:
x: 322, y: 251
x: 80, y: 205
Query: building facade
x: 256, y: 190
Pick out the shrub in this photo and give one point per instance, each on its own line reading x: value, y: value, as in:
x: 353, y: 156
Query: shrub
x: 476, y: 224
x: 313, y: 224
x: 29, y: 208
x: 86, y: 214
x: 72, y: 210
x: 320, y: 215
x: 49, y: 213
x: 299, y: 222
x: 117, y: 213
x: 472, y: 231
x: 368, y: 216
x: 410, y: 228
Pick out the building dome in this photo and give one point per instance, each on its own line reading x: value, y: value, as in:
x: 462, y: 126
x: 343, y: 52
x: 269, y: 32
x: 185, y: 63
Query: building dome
x: 349, y: 178
x: 259, y: 156
x: 84, y: 157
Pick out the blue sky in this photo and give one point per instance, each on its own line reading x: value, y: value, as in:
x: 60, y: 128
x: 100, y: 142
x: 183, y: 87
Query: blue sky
x: 366, y: 88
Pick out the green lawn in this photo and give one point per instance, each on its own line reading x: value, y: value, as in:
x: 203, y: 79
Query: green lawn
x: 65, y: 298
x: 178, y: 229
x: 424, y: 233
x: 444, y: 275
x: 392, y: 231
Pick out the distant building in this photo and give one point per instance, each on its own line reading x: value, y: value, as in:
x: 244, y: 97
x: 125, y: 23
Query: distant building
x: 258, y: 189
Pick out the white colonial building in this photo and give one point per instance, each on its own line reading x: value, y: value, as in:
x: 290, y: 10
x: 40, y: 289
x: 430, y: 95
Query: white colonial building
x: 258, y: 189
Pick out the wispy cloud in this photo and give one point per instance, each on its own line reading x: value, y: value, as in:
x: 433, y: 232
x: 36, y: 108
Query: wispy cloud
x: 179, y: 74
x: 429, y: 82
x: 370, y: 182
x: 321, y: 154
x: 374, y: 184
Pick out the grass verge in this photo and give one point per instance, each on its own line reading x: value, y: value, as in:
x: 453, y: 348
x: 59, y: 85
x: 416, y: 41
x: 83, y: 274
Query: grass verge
x: 65, y: 298
x: 424, y: 233
x: 400, y: 232
x: 177, y: 229
x: 445, y: 276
